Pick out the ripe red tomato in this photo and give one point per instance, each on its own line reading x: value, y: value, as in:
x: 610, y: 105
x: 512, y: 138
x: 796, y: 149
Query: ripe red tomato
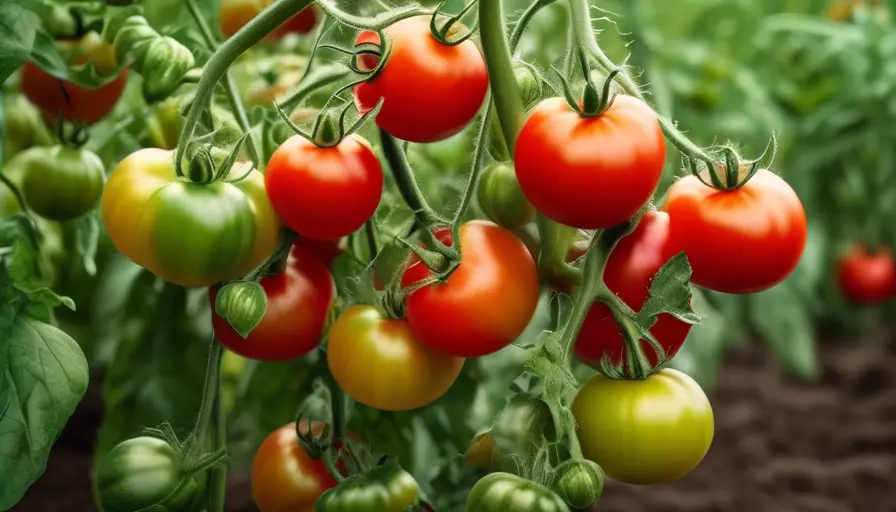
x: 324, y: 193
x: 865, y: 277
x: 284, y: 477
x: 75, y: 103
x: 234, y: 14
x: 485, y: 304
x: 630, y: 269
x: 299, y: 299
x: 738, y: 241
x: 326, y: 251
x: 590, y: 173
x: 432, y: 90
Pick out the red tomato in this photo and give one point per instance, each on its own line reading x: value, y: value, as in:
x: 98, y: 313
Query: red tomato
x: 299, y: 299
x: 432, y: 90
x: 324, y: 193
x: 867, y: 278
x: 54, y: 96
x: 630, y: 269
x: 485, y: 304
x: 326, y: 251
x: 590, y: 173
x: 738, y: 241
x: 284, y: 477
x: 234, y: 14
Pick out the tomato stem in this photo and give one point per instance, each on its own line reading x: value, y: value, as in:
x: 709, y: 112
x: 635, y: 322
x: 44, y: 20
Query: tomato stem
x: 636, y: 364
x: 506, y: 94
x: 15, y: 191
x: 209, y: 395
x: 308, y: 87
x: 556, y: 240
x: 218, y: 472
x: 475, y: 171
x: 379, y: 22
x: 251, y: 34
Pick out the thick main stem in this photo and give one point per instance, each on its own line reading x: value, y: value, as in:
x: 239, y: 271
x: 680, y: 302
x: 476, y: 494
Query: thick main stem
x: 247, y: 37
x: 407, y: 183
x: 506, y: 94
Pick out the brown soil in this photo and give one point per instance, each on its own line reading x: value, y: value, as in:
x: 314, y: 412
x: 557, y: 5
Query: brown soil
x: 780, y: 445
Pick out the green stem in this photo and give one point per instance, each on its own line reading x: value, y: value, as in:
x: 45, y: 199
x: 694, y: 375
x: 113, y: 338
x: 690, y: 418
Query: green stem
x: 218, y: 473
x: 378, y: 22
x: 277, y: 261
x: 251, y: 34
x: 370, y: 233
x: 475, y: 171
x: 524, y: 20
x: 556, y: 240
x: 506, y: 94
x: 15, y: 191
x: 636, y: 363
x: 308, y: 87
x: 209, y: 394
x: 407, y: 184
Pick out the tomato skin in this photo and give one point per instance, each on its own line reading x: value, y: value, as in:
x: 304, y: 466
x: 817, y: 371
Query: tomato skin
x: 501, y: 198
x: 504, y: 492
x: 579, y: 483
x: 190, y: 234
x: 644, y: 431
x: 387, y: 488
x: 284, y: 477
x: 523, y: 426
x: 432, y: 90
x: 63, y: 183
x: 77, y: 104
x: 145, y: 472
x: 234, y: 14
x: 326, y: 251
x: 629, y: 272
x: 380, y: 363
x: 324, y: 193
x: 590, y: 173
x: 740, y: 241
x: 299, y: 299
x: 485, y: 304
x: 9, y: 205
x: 865, y: 277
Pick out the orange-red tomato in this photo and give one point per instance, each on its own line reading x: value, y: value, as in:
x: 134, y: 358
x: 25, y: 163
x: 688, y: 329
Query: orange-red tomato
x: 739, y: 241
x: 75, y: 103
x: 485, y: 304
x: 299, y: 299
x: 284, y: 477
x: 324, y: 193
x: 630, y: 269
x: 234, y: 14
x: 431, y: 90
x: 867, y: 277
x: 590, y: 173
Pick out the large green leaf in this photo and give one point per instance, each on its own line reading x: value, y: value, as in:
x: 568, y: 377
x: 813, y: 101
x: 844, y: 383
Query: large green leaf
x: 18, y: 26
x: 783, y: 322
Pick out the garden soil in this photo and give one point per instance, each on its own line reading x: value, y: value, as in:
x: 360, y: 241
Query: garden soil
x: 780, y: 445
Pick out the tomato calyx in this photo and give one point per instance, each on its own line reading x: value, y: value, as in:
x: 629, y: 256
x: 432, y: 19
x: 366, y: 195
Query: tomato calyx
x: 594, y: 103
x: 447, y: 33
x: 731, y: 171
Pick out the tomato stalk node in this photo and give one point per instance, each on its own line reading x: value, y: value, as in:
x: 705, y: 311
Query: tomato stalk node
x: 376, y: 23
x: 447, y: 33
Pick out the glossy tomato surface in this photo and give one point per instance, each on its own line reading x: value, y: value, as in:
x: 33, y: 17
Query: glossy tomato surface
x: 284, y: 477
x: 867, y: 277
x: 485, y: 304
x: 739, y: 241
x: 590, y: 173
x: 380, y: 363
x: 644, y: 431
x: 298, y: 300
x: 62, y: 183
x: 629, y: 272
x: 431, y: 90
x: 506, y: 492
x: 324, y: 193
x: 75, y: 103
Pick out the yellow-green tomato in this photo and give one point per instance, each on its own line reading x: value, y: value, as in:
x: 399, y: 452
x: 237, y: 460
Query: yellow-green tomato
x: 62, y: 183
x: 190, y: 234
x: 644, y: 431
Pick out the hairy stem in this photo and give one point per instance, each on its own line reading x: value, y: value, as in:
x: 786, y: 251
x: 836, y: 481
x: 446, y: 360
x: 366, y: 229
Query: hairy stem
x: 407, y: 183
x: 506, y: 94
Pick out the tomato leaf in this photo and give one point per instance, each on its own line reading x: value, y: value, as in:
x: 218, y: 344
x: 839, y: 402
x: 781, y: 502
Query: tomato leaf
x: 670, y: 292
x: 44, y: 376
x: 87, y: 238
x: 18, y: 26
x: 782, y: 321
x: 701, y: 353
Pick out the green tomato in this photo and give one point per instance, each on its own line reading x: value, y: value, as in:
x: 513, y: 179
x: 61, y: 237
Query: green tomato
x: 9, y: 205
x: 523, y: 426
x: 24, y: 126
x: 502, y: 199
x: 503, y: 492
x: 387, y: 488
x: 145, y: 472
x: 579, y: 482
x: 62, y: 183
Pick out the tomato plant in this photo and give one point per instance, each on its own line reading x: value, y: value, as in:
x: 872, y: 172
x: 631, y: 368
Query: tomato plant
x: 431, y: 90
x: 234, y: 14
x: 504, y: 491
x: 757, y: 230
x: 76, y: 176
x: 496, y: 276
x: 644, y: 431
x: 501, y: 198
x: 867, y: 277
x: 387, y: 489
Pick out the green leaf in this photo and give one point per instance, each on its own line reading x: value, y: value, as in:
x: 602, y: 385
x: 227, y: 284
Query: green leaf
x: 670, y: 292
x: 44, y: 375
x: 701, y: 353
x: 18, y: 26
x: 87, y: 239
x: 782, y: 321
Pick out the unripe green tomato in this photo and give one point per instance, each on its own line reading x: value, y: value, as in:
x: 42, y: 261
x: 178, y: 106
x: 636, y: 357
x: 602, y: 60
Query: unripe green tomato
x: 523, y: 426
x: 503, y: 492
x: 9, y: 205
x: 528, y: 83
x: 579, y: 482
x: 502, y: 199
x: 24, y: 126
x: 387, y: 488
x: 145, y: 472
x: 63, y: 183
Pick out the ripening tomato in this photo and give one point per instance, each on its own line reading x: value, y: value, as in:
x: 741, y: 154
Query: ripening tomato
x: 867, y: 277
x: 590, y: 173
x: 191, y: 234
x: 324, y: 193
x: 298, y: 300
x: 485, y: 304
x: 431, y: 90
x: 737, y: 241
x: 284, y: 477
x: 630, y: 269
x: 644, y: 431
x: 380, y: 363
x: 234, y: 14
